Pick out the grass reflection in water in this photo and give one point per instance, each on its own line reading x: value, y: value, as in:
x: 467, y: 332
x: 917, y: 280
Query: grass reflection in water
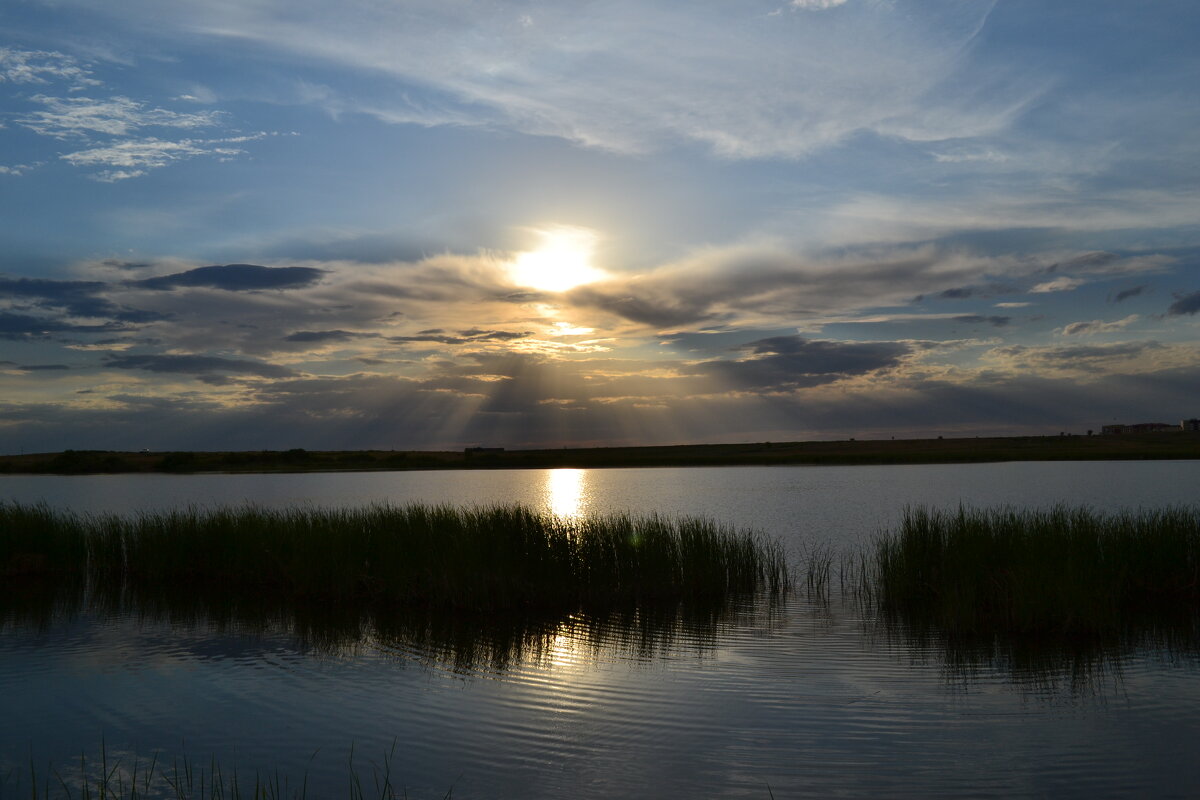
x: 1053, y: 597
x: 474, y: 588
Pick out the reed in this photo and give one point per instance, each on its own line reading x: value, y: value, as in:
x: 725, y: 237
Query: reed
x: 1056, y: 571
x: 501, y: 557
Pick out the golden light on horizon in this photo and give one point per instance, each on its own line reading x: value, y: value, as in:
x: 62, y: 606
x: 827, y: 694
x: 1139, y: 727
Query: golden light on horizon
x: 561, y: 261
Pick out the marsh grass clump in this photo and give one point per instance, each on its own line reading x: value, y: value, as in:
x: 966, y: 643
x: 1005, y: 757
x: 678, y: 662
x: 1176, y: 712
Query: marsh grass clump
x: 1056, y: 571
x: 500, y: 557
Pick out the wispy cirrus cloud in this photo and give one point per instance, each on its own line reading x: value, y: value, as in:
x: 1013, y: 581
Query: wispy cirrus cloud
x: 42, y: 67
x: 596, y: 76
x: 65, y: 117
x: 132, y: 158
x: 114, y: 128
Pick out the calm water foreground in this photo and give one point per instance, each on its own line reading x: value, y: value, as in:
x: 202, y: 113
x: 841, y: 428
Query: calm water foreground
x: 808, y: 699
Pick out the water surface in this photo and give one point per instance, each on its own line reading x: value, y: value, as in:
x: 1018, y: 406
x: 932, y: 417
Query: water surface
x: 810, y: 699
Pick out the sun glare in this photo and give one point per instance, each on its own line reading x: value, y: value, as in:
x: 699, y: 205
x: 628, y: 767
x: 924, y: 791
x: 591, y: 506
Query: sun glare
x: 562, y: 260
x: 565, y: 492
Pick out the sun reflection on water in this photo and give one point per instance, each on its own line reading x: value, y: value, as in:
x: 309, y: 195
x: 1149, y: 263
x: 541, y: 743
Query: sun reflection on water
x: 566, y: 492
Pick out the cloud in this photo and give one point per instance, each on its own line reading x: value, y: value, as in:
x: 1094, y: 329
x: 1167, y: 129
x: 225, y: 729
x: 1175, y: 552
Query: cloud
x: 75, y: 298
x: 323, y: 337
x: 1063, y: 284
x: 1125, y: 294
x: 198, y: 365
x: 67, y: 117
x: 1095, y: 358
x: 783, y: 363
x: 975, y: 319
x: 1186, y: 304
x: 596, y: 76
x: 1098, y: 326
x: 464, y: 337
x: 23, y: 326
x: 236, y: 278
x: 42, y: 367
x: 131, y: 158
x: 42, y: 67
x: 816, y: 5
x: 763, y: 284
x: 372, y: 411
x: 18, y: 169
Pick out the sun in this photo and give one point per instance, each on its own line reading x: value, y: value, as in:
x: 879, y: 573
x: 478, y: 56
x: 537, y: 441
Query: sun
x: 561, y: 261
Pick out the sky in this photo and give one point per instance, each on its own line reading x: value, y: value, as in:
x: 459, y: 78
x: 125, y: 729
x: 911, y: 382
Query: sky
x: 266, y: 224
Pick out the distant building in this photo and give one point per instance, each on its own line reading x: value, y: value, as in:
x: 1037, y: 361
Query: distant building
x: 475, y: 450
x: 1139, y: 427
x: 1151, y: 427
x: 1190, y: 424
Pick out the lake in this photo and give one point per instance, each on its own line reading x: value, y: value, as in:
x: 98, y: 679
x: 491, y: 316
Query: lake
x: 803, y: 698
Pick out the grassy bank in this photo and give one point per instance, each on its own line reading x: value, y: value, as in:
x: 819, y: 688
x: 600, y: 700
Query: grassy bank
x: 486, y: 559
x: 1165, y: 445
x: 1053, y: 572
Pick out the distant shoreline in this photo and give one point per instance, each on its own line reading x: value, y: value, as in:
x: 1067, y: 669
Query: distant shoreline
x: 1156, y: 446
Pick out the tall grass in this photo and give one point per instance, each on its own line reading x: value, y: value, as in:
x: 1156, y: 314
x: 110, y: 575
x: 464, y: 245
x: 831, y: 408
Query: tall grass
x: 1056, y: 571
x: 502, y: 557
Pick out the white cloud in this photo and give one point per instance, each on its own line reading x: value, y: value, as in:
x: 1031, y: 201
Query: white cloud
x: 632, y: 77
x: 816, y: 5
x: 1097, y: 326
x: 877, y: 217
x: 64, y: 117
x: 969, y: 156
x: 43, y: 66
x: 198, y: 94
x: 133, y: 157
x: 1013, y: 305
x: 1063, y: 284
x: 18, y: 169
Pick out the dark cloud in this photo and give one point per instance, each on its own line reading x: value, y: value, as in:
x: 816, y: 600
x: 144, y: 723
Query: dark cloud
x: 1085, y: 357
x: 41, y: 367
x: 790, y: 362
x: 1186, y: 304
x: 720, y: 287
x: 326, y: 336
x: 364, y: 411
x: 1084, y: 262
x: 656, y: 312
x: 198, y: 365
x: 24, y: 326
x: 1125, y: 294
x: 130, y: 265
x: 76, y: 298
x: 966, y: 292
x: 236, y: 278
x: 473, y: 335
x: 494, y: 336
x: 978, y: 319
